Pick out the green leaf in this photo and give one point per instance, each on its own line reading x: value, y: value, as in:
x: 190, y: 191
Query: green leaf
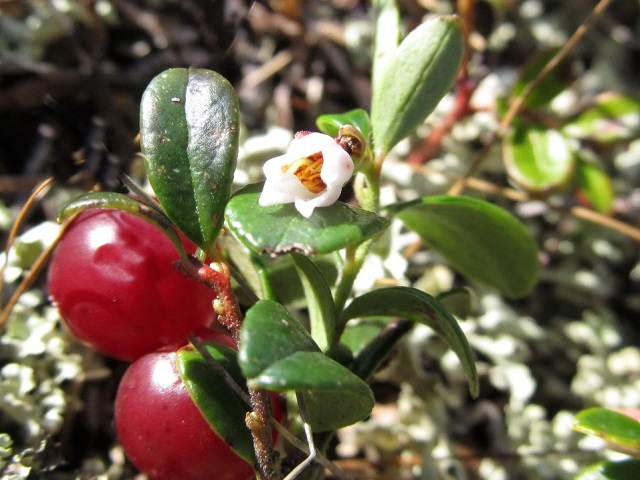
x: 413, y: 79
x: 280, y: 229
x: 621, y: 431
x: 331, y: 123
x: 612, y: 118
x: 322, y: 315
x: 270, y: 333
x: 223, y: 409
x: 596, y: 186
x: 538, y: 159
x: 550, y: 86
x: 119, y: 201
x: 189, y: 137
x: 622, y: 470
x: 417, y: 306
x: 334, y: 397
x: 277, y: 353
x: 479, y: 239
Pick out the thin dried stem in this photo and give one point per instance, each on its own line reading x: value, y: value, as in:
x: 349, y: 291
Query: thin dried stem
x: 35, y: 270
x: 18, y: 224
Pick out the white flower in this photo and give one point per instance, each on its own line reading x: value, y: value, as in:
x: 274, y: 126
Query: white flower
x: 311, y: 174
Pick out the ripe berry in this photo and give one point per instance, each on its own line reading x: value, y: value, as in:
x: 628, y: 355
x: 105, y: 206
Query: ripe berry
x: 113, y: 278
x: 162, y: 431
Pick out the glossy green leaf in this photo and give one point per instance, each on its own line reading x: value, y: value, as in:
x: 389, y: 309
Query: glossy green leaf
x: 322, y: 315
x: 189, y: 137
x: 280, y: 229
x: 417, y: 306
x: 596, y: 186
x: 119, y: 201
x: 621, y: 431
x: 612, y: 118
x: 622, y: 470
x: 223, y: 409
x: 270, y: 333
x: 538, y: 159
x: 334, y: 396
x: 331, y: 123
x: 551, y: 85
x: 277, y: 353
x: 413, y: 79
x: 479, y: 239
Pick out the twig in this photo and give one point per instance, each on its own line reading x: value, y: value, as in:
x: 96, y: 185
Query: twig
x: 35, y: 270
x: 18, y: 223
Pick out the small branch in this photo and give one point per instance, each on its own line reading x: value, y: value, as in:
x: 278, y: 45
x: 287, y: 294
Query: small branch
x: 16, y: 227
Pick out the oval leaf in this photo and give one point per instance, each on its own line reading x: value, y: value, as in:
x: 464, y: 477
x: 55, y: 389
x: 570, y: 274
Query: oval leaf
x: 223, y: 409
x: 620, y: 430
x: 479, y: 239
x: 419, y: 307
x: 334, y: 397
x: 189, y: 137
x: 414, y: 79
x: 270, y: 333
x: 538, y: 159
x: 280, y: 229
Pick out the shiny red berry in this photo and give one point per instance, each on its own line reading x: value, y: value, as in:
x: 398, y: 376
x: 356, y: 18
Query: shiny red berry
x: 113, y: 278
x: 162, y: 431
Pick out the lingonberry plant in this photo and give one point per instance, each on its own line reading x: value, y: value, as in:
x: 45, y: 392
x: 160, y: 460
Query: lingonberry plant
x: 189, y: 137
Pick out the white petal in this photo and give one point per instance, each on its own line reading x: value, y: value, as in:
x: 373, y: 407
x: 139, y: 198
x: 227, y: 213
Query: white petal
x: 281, y: 187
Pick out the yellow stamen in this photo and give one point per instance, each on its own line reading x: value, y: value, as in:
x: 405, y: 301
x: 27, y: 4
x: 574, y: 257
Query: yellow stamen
x: 308, y: 172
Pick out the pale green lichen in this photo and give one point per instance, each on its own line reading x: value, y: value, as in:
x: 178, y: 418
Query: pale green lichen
x: 35, y: 364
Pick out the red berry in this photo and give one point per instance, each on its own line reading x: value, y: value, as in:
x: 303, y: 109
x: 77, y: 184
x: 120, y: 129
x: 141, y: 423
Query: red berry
x: 113, y: 278
x: 162, y: 431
